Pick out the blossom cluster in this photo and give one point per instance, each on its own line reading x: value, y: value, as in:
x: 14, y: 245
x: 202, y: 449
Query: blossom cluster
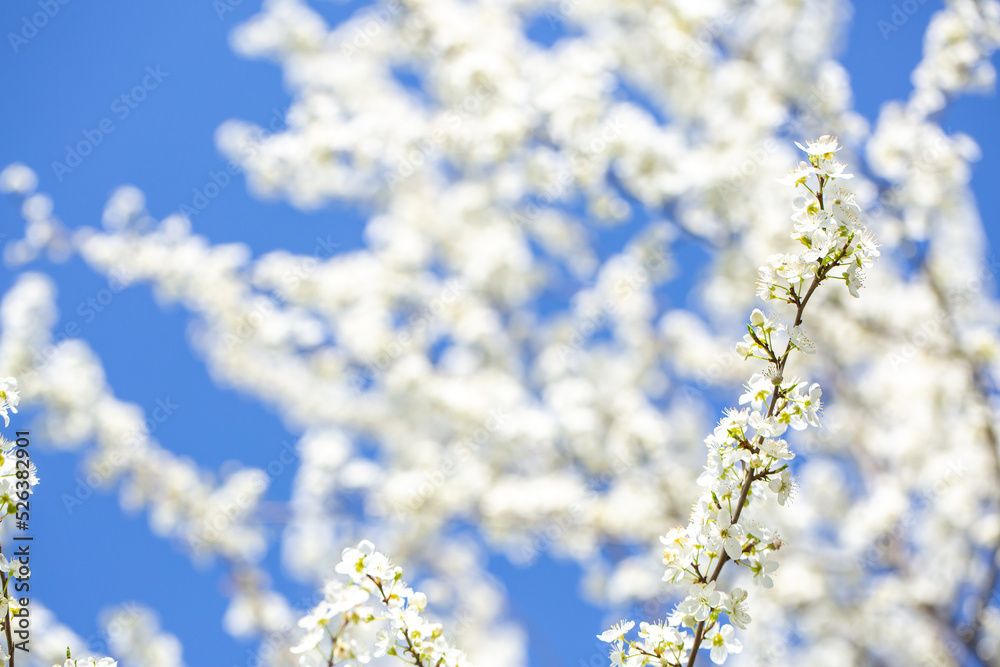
x: 374, y: 599
x: 9, y: 398
x: 17, y: 476
x: 748, y: 460
x: 89, y: 662
x: 826, y: 223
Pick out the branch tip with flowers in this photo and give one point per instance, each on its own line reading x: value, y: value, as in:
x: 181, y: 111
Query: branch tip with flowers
x: 374, y: 600
x: 87, y: 662
x: 16, y: 480
x: 748, y: 459
x: 17, y: 477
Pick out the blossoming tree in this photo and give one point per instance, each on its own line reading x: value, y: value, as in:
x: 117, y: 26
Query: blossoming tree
x: 447, y: 409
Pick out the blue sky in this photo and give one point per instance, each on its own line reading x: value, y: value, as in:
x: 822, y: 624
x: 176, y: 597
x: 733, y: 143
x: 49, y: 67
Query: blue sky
x: 67, y: 79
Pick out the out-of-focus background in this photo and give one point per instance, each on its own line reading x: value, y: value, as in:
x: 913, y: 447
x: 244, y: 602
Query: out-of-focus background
x: 148, y: 84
